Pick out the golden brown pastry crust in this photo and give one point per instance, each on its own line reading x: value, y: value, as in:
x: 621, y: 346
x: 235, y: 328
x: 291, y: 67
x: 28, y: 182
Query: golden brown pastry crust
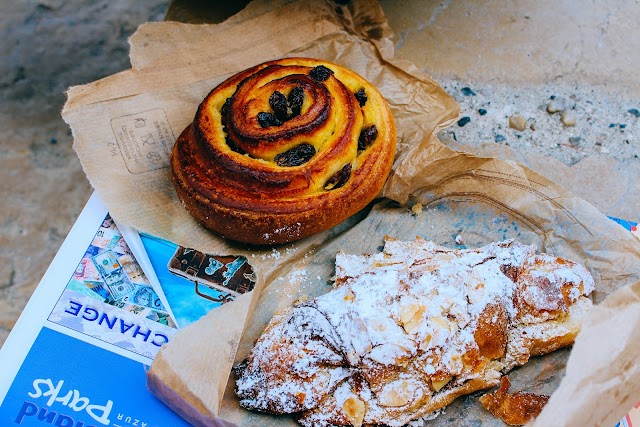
x: 515, y: 409
x: 405, y: 332
x: 254, y: 181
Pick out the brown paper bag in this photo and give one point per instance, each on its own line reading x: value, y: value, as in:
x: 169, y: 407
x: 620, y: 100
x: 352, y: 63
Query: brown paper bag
x: 124, y: 127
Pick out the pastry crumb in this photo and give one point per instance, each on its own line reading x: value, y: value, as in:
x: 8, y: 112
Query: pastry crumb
x: 515, y: 409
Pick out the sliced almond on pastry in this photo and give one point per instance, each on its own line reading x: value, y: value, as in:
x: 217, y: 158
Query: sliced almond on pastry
x: 437, y: 385
x: 354, y: 409
x: 397, y: 393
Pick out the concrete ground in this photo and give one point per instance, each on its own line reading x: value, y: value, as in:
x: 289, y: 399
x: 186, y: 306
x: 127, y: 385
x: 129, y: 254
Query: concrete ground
x: 47, y: 46
x: 506, y: 59
x: 498, y: 59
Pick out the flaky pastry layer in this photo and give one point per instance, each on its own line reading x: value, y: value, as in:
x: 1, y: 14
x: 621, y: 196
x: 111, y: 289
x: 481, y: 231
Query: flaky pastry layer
x: 406, y: 331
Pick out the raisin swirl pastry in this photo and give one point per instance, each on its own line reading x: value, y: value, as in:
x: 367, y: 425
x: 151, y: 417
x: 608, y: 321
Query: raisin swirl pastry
x: 284, y: 150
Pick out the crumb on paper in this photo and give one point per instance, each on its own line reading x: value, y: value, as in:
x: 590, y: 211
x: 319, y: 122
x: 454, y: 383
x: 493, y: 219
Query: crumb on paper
x: 301, y: 299
x: 275, y: 254
x: 298, y: 276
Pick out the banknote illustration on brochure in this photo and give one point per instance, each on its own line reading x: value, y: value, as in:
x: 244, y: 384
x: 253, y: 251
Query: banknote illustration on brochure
x: 110, y: 298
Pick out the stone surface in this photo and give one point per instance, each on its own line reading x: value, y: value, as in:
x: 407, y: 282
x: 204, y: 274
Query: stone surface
x: 47, y: 47
x: 521, y: 42
x: 518, y: 57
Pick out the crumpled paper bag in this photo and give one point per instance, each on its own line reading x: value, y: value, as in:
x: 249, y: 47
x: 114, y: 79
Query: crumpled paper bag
x: 124, y: 127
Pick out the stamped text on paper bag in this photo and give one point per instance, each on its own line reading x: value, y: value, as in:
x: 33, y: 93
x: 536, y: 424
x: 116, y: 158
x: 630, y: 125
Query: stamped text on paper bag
x: 144, y: 139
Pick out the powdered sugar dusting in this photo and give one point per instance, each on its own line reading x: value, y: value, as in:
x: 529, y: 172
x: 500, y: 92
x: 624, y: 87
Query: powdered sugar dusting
x: 405, y: 328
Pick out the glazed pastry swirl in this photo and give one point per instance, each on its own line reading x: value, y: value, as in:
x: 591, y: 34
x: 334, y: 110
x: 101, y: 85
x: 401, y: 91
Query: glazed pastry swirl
x: 284, y: 150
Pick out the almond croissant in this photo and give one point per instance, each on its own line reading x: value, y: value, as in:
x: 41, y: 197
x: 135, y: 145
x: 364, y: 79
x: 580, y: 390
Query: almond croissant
x: 406, y: 331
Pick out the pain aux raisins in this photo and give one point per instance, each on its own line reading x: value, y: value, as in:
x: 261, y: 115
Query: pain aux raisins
x: 320, y: 73
x: 339, y: 178
x: 367, y: 136
x: 296, y: 156
x: 361, y: 96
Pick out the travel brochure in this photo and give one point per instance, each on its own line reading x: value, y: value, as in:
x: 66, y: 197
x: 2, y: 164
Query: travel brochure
x: 110, y: 299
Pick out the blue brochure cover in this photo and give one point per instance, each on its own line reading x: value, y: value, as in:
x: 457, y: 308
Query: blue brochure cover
x: 77, y: 357
x: 69, y: 383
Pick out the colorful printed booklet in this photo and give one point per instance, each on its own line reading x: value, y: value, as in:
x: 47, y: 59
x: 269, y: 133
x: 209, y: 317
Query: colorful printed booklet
x: 78, y: 355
